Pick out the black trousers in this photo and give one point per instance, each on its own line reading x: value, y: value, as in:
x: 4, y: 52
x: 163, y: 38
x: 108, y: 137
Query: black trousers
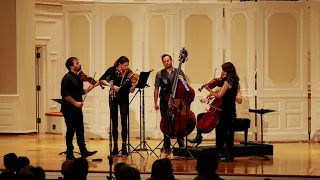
x: 74, y: 123
x: 164, y: 112
x: 124, y: 110
x: 224, y: 130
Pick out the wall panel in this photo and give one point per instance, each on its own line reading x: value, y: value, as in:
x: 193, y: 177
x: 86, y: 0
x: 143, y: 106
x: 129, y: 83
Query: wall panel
x: 282, y: 69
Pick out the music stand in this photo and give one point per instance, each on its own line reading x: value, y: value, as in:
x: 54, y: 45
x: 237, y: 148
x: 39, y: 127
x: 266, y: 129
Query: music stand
x: 142, y: 83
x: 261, y: 112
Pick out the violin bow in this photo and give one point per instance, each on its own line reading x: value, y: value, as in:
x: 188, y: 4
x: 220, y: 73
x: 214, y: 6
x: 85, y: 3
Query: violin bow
x: 89, y: 87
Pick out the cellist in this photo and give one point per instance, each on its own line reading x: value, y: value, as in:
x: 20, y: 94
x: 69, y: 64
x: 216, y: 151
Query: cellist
x: 229, y: 93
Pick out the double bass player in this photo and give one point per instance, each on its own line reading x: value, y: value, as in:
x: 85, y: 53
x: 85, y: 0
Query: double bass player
x: 162, y: 87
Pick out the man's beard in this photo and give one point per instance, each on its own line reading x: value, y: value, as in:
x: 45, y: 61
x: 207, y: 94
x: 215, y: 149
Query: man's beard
x: 168, y: 67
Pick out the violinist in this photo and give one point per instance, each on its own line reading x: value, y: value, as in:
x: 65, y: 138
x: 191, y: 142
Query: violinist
x: 117, y: 77
x: 71, y: 107
x: 229, y: 93
x: 164, y: 80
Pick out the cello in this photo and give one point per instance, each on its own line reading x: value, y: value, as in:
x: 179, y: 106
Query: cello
x: 180, y: 120
x: 210, y: 119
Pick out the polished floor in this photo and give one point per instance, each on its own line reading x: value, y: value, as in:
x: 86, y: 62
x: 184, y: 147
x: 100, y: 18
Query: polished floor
x: 290, y: 159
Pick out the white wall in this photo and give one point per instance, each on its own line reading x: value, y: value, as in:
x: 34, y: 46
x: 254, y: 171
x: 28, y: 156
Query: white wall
x: 244, y: 36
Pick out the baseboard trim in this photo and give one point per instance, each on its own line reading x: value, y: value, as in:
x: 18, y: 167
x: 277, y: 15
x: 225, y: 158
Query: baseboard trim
x: 29, y: 132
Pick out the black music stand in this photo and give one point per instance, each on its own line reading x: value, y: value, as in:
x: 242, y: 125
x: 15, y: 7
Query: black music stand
x: 110, y: 157
x: 261, y: 112
x: 142, y: 83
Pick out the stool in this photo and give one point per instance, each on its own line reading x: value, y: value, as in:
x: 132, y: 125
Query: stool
x: 242, y: 124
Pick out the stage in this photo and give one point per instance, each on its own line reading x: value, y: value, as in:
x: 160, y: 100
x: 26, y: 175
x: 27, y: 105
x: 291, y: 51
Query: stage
x: 289, y: 159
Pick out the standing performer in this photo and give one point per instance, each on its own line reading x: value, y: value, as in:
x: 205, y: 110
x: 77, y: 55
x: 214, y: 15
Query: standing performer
x: 71, y: 107
x: 117, y: 77
x: 229, y: 93
x: 162, y: 80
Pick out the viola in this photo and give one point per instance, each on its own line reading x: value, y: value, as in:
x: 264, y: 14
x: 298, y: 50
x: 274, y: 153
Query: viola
x: 83, y: 77
x: 179, y: 122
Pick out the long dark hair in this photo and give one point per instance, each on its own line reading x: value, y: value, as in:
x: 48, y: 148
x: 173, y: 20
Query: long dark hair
x: 231, y: 71
x: 121, y: 60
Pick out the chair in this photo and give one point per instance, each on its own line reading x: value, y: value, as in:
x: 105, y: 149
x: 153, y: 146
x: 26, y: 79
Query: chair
x: 242, y: 124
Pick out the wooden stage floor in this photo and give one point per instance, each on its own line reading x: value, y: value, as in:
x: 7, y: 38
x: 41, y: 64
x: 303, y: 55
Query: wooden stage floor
x: 290, y: 159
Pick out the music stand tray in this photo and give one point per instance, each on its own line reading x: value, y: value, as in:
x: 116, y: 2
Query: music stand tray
x: 57, y: 100
x: 143, y: 78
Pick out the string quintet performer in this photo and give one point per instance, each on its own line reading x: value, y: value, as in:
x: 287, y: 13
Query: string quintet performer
x: 226, y: 91
x: 163, y: 83
x: 118, y: 78
x: 72, y: 103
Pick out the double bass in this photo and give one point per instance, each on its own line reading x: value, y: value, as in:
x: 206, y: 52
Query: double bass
x: 210, y: 119
x: 180, y: 120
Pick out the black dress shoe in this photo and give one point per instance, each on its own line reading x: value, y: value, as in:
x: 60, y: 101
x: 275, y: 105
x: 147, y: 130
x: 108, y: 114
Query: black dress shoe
x: 124, y: 151
x: 197, y: 140
x: 115, y: 150
x: 229, y: 158
x: 88, y: 153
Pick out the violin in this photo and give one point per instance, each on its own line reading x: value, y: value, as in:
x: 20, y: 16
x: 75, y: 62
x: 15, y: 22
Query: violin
x: 133, y: 77
x: 85, y: 78
x: 213, y: 83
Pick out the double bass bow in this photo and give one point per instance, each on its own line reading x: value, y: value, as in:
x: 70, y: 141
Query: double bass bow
x: 180, y: 120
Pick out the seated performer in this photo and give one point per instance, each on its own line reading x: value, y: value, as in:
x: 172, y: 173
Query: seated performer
x: 122, y: 87
x: 229, y: 93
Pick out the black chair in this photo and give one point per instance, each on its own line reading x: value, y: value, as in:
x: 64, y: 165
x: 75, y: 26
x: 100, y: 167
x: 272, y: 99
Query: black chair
x: 242, y: 124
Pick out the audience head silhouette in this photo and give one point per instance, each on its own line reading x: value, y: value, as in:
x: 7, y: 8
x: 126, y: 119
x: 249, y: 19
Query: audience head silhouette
x: 9, y: 161
x: 162, y: 169
x: 207, y: 165
x: 127, y: 172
